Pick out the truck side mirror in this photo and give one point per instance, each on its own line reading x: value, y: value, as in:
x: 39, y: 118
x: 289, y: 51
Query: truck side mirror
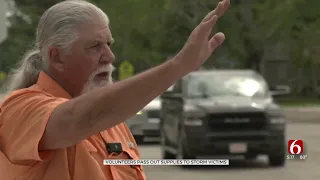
x: 166, y: 94
x: 281, y: 90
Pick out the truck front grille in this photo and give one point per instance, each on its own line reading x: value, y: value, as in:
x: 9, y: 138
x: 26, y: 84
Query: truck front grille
x: 237, y: 121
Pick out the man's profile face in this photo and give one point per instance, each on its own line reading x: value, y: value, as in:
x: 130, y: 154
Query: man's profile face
x: 89, y: 63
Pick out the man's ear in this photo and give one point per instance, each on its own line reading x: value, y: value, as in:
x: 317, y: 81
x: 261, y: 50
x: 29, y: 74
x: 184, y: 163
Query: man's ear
x: 55, y: 58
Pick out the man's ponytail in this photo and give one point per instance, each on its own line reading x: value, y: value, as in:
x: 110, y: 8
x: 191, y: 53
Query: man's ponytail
x: 27, y: 73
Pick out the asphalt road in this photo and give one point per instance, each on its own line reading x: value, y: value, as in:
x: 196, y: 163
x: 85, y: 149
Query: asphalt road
x: 241, y: 170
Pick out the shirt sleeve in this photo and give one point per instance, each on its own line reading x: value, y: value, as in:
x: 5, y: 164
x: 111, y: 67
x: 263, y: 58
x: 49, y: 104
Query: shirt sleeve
x: 23, y: 119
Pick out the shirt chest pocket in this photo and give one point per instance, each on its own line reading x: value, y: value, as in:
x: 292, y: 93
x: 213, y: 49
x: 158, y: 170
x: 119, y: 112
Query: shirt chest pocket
x: 127, y: 153
x: 119, y: 172
x: 129, y: 150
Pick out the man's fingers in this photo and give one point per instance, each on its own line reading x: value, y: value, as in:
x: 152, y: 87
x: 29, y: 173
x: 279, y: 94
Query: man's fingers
x: 226, y: 6
x: 216, y: 41
x: 219, y: 10
x: 210, y: 23
x: 213, y: 12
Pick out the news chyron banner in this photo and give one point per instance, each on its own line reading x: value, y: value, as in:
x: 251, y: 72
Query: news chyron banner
x: 157, y: 162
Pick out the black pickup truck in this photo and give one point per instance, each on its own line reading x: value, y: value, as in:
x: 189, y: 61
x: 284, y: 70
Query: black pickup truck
x: 222, y: 113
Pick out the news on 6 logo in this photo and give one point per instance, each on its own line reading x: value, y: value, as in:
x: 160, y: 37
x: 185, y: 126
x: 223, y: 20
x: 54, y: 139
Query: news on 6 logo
x: 295, y: 147
x: 296, y: 150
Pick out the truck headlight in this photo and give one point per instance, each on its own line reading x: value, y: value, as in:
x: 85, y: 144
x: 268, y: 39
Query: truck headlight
x: 193, y: 122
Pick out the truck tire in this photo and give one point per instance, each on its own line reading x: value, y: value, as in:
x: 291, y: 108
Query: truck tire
x: 277, y: 160
x: 167, y: 155
x: 163, y: 143
x: 182, y: 152
x: 139, y: 139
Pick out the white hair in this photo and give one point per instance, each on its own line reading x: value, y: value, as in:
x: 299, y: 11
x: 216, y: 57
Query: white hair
x: 57, y: 27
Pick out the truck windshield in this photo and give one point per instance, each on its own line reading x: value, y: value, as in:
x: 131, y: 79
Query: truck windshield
x: 210, y: 85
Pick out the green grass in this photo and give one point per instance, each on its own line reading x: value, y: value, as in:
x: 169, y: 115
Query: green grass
x: 298, y: 102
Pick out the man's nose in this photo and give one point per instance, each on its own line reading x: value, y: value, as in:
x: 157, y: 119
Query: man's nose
x: 107, y: 55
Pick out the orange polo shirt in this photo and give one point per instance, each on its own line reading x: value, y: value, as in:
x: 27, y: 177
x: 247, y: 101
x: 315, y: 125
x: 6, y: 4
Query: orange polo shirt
x: 23, y: 118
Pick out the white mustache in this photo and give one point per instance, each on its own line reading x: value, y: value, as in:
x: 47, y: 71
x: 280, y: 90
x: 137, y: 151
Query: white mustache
x: 108, y: 68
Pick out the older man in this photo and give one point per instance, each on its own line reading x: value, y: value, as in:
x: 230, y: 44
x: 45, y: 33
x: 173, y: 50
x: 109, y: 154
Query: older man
x: 63, y: 116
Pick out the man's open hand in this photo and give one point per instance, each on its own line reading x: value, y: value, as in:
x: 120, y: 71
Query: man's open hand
x: 200, y: 45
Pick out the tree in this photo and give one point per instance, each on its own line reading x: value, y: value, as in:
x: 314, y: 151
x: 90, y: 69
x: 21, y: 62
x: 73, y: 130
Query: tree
x: 21, y: 33
x: 148, y: 32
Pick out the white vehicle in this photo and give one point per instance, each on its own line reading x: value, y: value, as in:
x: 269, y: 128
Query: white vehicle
x: 146, y: 122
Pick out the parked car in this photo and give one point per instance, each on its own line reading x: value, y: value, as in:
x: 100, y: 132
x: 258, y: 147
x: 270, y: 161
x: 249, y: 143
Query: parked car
x: 146, y: 122
x: 222, y: 112
x: 151, y: 125
x: 135, y: 125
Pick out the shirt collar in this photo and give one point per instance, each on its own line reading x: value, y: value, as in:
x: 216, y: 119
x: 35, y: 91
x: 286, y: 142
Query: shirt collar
x: 51, y: 86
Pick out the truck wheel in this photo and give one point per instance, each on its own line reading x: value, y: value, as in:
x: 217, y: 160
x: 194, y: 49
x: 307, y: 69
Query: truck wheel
x: 139, y: 139
x: 163, y: 143
x: 182, y: 152
x: 167, y: 155
x: 277, y: 160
